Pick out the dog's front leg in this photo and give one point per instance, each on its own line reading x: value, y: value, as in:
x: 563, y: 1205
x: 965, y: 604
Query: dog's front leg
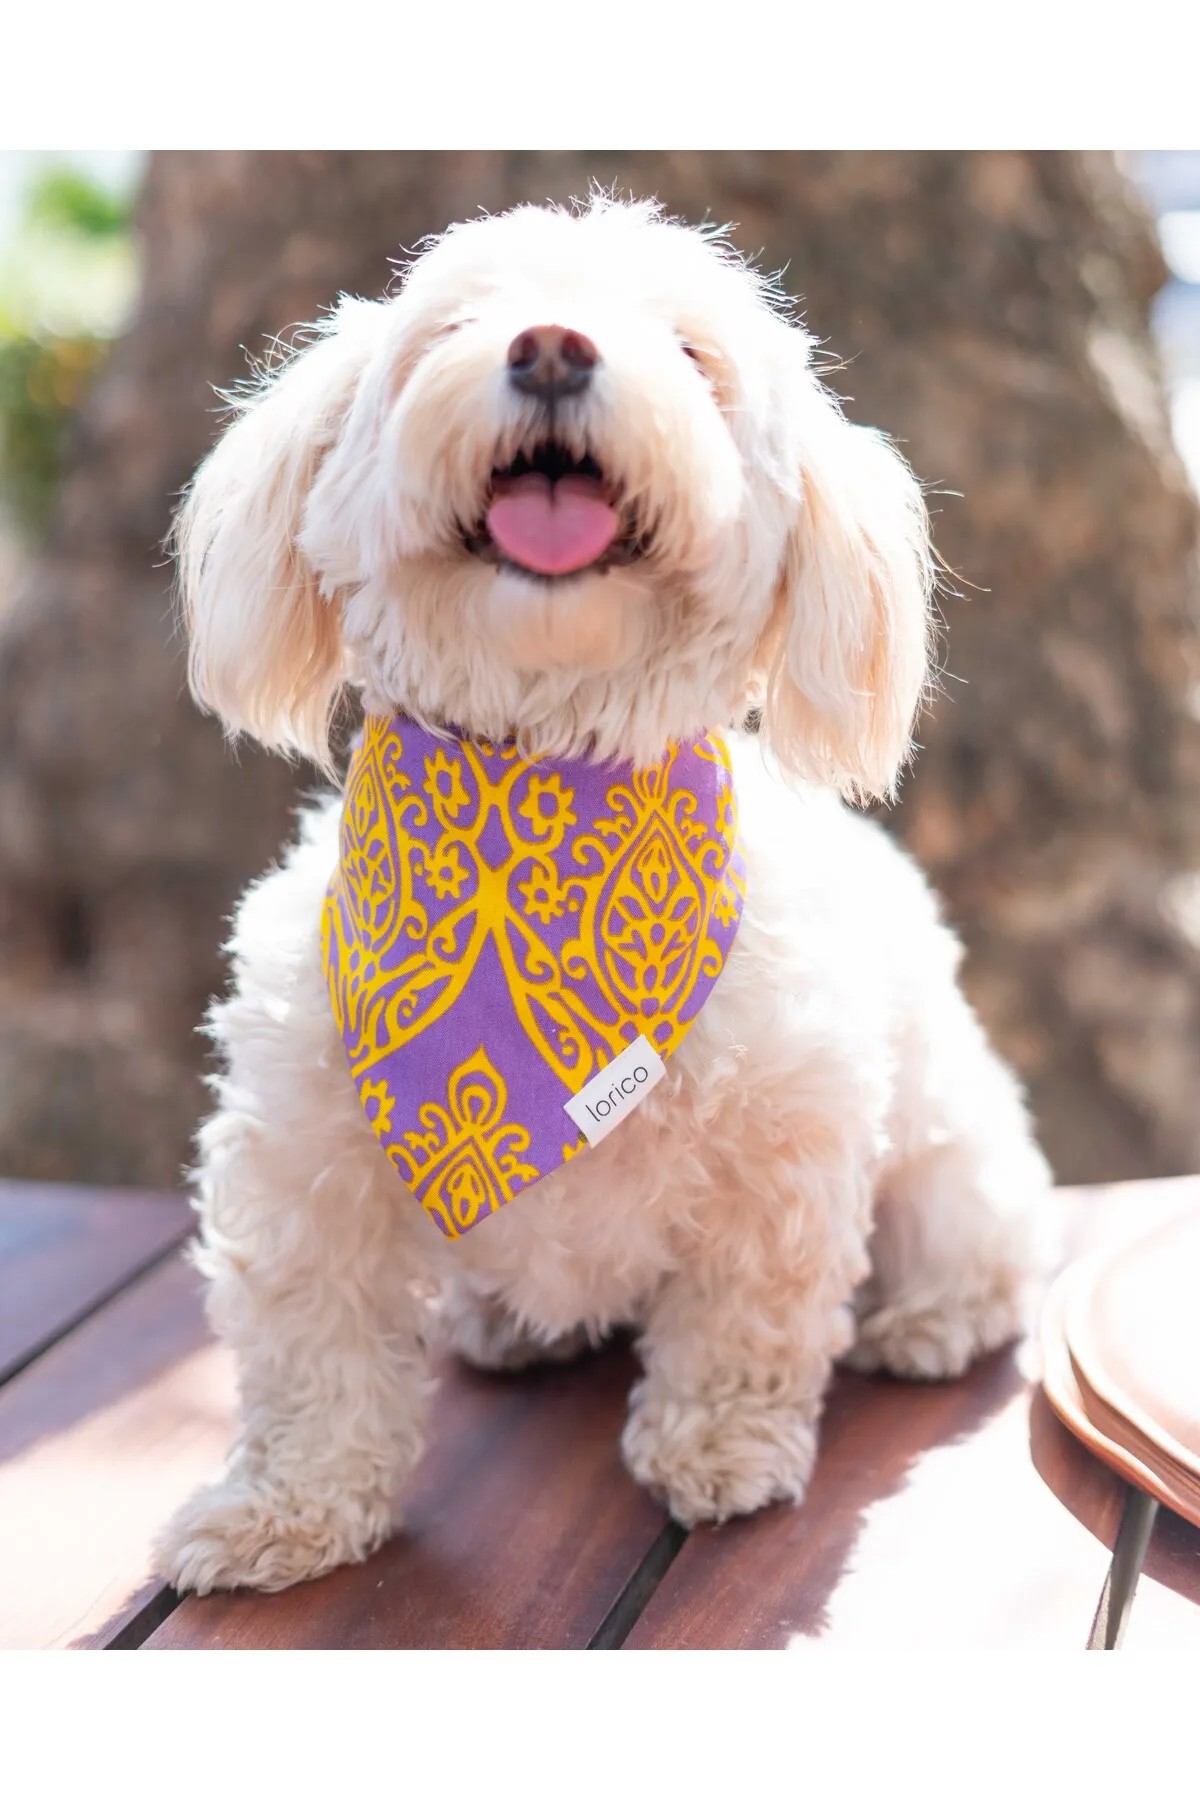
x: 741, y: 1339
x: 310, y: 1274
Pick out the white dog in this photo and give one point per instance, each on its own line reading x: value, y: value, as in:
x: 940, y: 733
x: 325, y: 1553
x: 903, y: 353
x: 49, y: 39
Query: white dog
x: 834, y: 1164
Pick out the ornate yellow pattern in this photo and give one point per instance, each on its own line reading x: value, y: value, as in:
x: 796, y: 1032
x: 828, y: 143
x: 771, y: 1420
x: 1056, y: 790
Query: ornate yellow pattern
x: 466, y: 1151
x: 582, y: 906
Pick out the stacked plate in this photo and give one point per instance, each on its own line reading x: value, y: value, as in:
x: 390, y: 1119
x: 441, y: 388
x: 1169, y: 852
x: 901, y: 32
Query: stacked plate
x: 1121, y: 1360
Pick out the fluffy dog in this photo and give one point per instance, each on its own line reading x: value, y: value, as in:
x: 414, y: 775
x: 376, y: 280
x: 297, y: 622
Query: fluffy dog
x: 836, y: 1165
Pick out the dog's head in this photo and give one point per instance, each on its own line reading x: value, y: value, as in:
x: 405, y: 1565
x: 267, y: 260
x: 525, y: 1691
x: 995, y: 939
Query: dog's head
x: 578, y: 482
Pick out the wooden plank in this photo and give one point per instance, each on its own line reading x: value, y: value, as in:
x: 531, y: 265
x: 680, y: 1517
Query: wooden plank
x: 521, y: 1530
x: 926, y: 1526
x: 99, y: 1439
x: 938, y: 1516
x: 65, y: 1249
x: 523, y: 1526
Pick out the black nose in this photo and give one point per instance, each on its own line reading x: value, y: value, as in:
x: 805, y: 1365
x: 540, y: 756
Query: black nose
x: 548, y: 362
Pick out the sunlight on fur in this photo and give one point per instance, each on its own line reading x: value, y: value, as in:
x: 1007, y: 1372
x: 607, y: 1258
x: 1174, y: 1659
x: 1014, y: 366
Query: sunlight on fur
x: 835, y: 1165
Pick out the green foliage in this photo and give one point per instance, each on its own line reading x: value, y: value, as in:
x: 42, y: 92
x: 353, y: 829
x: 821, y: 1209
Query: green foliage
x: 65, y: 286
x: 65, y: 199
x: 42, y: 382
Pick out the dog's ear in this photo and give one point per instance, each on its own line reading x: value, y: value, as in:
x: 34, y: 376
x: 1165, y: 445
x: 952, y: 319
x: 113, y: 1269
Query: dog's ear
x: 846, y: 653
x: 264, y: 638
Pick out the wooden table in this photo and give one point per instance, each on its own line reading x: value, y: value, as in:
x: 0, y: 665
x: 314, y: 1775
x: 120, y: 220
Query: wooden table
x: 961, y: 1514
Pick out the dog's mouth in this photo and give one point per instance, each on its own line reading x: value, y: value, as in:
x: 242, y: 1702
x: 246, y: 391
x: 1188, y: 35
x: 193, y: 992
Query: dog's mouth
x: 550, y: 513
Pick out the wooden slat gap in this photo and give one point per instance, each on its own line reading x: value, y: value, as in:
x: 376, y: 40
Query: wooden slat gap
x: 129, y: 1279
x: 634, y: 1597
x: 156, y: 1611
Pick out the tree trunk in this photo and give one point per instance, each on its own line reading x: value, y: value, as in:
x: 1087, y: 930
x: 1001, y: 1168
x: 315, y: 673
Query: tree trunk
x: 992, y: 309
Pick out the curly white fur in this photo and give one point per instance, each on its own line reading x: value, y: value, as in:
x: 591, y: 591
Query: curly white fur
x: 836, y: 1164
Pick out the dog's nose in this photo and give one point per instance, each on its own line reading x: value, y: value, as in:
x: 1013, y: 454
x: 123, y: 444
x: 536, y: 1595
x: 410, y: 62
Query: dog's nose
x: 548, y: 362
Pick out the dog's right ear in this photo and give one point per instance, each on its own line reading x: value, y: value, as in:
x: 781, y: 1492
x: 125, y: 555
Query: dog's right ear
x: 264, y: 638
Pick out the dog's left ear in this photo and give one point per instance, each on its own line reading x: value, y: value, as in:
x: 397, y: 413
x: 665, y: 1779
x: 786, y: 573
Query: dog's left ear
x: 846, y: 653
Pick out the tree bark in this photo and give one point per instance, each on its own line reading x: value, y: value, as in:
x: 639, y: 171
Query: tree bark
x: 992, y: 311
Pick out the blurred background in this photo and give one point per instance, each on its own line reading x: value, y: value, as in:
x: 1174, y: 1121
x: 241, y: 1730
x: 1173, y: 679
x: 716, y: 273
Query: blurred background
x: 1027, y: 325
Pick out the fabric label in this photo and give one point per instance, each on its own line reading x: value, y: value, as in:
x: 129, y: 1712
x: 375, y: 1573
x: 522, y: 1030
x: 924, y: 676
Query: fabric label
x: 614, y: 1093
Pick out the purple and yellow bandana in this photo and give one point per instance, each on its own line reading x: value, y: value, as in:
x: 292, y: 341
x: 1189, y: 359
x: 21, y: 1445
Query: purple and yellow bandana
x: 499, y: 931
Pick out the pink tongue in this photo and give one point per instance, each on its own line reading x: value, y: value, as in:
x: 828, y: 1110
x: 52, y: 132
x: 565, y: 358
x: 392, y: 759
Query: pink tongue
x: 552, y: 528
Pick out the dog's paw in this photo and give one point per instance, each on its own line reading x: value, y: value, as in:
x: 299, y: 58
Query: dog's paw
x: 483, y: 1332
x: 936, y: 1342
x: 710, y: 1461
x: 237, y: 1534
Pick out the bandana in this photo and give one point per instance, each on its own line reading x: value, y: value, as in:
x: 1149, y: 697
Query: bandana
x: 505, y: 938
